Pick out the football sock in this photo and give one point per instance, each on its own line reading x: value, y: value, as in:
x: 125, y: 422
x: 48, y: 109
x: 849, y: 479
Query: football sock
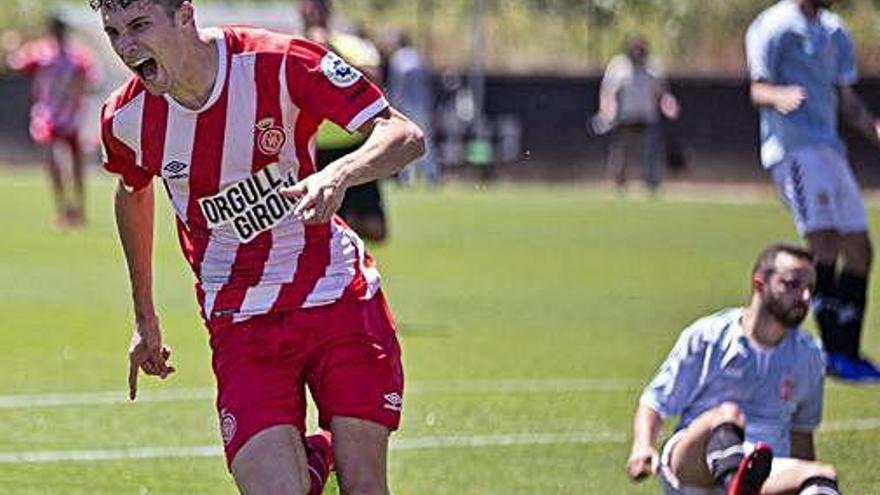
x: 319, y: 456
x: 852, y: 291
x: 819, y: 485
x: 724, y: 451
x: 825, y: 306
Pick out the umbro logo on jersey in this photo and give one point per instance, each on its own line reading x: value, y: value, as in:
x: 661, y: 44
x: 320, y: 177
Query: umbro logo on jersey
x: 393, y: 401
x: 338, y: 71
x: 175, y: 170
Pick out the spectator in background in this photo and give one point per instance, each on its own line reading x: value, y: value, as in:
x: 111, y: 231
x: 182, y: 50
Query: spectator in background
x: 362, y: 207
x: 62, y: 73
x: 632, y: 98
x: 408, y: 86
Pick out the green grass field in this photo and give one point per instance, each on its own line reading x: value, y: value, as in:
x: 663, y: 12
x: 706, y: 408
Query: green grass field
x: 530, y: 318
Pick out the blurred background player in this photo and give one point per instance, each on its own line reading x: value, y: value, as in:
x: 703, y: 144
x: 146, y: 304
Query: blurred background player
x: 408, y: 87
x: 362, y: 207
x: 748, y: 384
x: 803, y: 65
x: 62, y: 73
x: 633, y: 97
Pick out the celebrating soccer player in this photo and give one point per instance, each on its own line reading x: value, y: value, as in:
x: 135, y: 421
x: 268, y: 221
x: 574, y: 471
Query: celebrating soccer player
x: 227, y: 119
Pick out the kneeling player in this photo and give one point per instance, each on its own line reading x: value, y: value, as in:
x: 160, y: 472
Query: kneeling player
x: 747, y: 383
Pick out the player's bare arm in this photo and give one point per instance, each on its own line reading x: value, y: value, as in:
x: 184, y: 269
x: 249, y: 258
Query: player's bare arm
x: 783, y: 98
x: 802, y: 446
x: 393, y: 142
x: 134, y: 222
x: 644, y: 459
x: 856, y: 114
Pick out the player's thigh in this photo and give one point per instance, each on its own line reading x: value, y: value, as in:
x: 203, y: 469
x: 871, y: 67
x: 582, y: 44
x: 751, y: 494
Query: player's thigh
x: 360, y: 449
x: 259, y: 384
x: 807, y: 186
x: 272, y: 462
x: 356, y: 370
x: 850, y: 204
x: 788, y: 474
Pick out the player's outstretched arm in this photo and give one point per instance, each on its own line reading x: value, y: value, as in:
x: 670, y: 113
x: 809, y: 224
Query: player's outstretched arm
x: 134, y: 222
x: 856, y: 114
x: 644, y: 460
x: 393, y: 142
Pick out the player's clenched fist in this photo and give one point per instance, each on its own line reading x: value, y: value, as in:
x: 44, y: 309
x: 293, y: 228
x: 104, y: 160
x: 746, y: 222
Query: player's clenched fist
x: 643, y: 462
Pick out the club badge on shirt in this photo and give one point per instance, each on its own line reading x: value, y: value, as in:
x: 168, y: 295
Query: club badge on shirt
x: 270, y: 137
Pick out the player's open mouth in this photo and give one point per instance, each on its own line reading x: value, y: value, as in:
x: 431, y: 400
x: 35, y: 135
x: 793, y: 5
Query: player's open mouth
x: 146, y: 68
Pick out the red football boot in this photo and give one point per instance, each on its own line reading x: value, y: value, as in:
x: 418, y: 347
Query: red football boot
x: 753, y: 471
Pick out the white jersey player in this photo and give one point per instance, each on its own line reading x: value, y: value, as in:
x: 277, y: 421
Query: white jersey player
x: 747, y: 383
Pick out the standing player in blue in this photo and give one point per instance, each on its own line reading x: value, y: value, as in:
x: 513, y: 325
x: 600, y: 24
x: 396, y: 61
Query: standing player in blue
x: 747, y: 383
x: 803, y: 66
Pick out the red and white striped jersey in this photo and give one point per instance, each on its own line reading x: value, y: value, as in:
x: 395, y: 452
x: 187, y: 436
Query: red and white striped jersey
x: 222, y: 166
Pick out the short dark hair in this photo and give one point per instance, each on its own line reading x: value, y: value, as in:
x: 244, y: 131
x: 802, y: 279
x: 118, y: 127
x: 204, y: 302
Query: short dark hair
x: 170, y: 5
x: 767, y: 259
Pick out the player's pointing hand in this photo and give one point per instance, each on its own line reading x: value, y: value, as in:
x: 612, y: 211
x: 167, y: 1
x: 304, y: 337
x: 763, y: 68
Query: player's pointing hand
x: 317, y: 197
x: 147, y: 353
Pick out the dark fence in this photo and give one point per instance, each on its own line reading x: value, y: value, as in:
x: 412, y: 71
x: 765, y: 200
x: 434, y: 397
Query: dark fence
x: 718, y: 124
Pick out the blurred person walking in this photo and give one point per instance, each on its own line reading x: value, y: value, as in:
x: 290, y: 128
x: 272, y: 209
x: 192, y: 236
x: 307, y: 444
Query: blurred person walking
x: 747, y: 384
x: 803, y: 66
x: 362, y: 208
x: 408, y: 87
x: 62, y: 73
x: 633, y: 99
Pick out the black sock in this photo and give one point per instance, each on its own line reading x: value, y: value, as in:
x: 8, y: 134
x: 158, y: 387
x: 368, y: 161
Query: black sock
x: 825, y: 303
x: 819, y: 485
x: 852, y: 291
x: 724, y: 451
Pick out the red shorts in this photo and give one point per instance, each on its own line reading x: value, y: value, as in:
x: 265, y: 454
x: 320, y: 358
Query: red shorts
x: 347, y: 353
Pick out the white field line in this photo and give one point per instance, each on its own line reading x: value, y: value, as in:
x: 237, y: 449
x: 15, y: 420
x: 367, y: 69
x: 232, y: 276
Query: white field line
x: 207, y: 394
x: 419, y: 443
x: 402, y: 444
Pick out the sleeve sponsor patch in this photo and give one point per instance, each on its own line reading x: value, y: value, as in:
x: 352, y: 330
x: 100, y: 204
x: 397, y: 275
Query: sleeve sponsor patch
x: 338, y: 71
x: 251, y: 206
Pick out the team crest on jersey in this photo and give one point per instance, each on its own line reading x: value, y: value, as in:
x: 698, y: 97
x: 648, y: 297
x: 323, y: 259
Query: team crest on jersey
x: 338, y: 71
x: 786, y: 388
x: 228, y: 425
x: 270, y: 137
x: 251, y: 206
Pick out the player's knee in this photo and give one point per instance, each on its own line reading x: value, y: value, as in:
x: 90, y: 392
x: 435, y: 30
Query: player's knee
x: 819, y: 470
x: 730, y: 412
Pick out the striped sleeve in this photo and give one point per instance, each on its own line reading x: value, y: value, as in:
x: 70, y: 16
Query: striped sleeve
x: 117, y: 157
x: 326, y: 87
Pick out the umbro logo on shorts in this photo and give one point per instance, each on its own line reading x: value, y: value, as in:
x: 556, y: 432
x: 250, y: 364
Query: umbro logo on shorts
x: 175, y: 170
x: 228, y: 425
x: 393, y: 401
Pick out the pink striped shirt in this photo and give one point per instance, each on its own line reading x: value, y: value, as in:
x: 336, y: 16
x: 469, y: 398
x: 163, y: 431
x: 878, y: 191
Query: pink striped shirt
x: 222, y: 166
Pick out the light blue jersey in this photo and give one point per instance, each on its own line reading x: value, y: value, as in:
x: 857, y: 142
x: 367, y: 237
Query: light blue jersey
x: 784, y: 47
x: 779, y: 389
